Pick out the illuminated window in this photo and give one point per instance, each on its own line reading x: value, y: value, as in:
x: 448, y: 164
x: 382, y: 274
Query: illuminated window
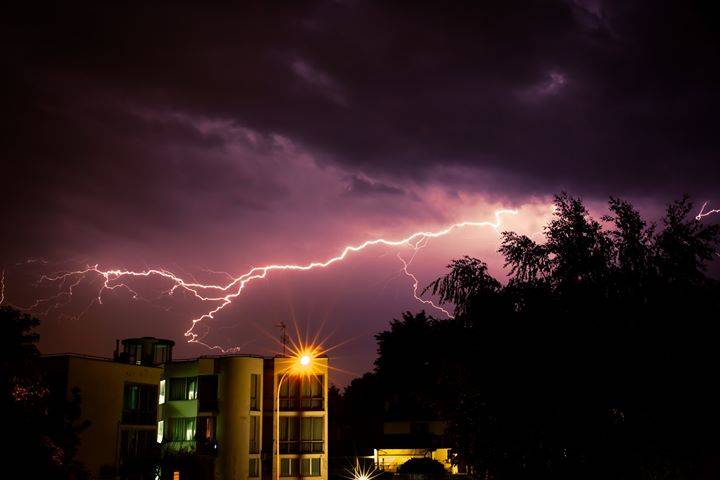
x: 182, y: 429
x: 161, y: 398
x: 183, y: 388
x: 310, y: 467
x: 206, y: 429
x: 160, y: 431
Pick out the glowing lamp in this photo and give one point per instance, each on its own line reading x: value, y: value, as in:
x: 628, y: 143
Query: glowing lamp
x: 305, y: 360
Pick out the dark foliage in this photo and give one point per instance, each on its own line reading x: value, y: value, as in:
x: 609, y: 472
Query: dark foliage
x: 597, y: 358
x: 423, y: 466
x: 43, y: 437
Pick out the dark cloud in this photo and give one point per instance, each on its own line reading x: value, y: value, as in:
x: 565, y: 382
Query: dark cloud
x: 359, y: 185
x: 222, y: 134
x: 581, y: 94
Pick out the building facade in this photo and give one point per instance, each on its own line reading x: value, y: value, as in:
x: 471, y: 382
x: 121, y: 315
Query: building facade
x: 231, y: 413
x: 119, y: 401
x: 300, y: 424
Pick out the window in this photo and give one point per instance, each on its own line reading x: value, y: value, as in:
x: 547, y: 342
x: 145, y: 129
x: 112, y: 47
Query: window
x: 254, y: 389
x: 136, y: 444
x: 207, y: 388
x: 254, y: 434
x: 161, y: 398
x: 160, y: 431
x: 254, y: 468
x: 310, y: 467
x: 182, y: 429
x: 206, y: 429
x: 134, y: 353
x: 161, y: 354
x: 301, y: 434
x: 289, y: 434
x: 312, y: 393
x: 289, y: 467
x: 139, y: 404
x: 289, y: 393
x: 311, y: 434
x: 183, y: 388
x: 302, y: 394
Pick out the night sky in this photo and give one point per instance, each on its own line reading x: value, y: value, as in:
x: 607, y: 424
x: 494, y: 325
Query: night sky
x: 214, y: 138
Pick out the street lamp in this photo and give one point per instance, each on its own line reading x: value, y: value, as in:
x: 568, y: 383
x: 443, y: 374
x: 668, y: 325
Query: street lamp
x: 299, y: 365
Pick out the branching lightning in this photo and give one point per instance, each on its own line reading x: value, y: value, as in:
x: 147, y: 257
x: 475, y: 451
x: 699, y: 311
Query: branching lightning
x: 223, y: 294
x: 702, y: 214
x: 2, y: 287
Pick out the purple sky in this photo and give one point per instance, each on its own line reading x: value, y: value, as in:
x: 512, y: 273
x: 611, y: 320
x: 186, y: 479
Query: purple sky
x: 204, y: 138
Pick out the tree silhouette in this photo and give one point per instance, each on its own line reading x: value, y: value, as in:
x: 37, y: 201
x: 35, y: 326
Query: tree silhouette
x: 595, y: 359
x: 42, y: 433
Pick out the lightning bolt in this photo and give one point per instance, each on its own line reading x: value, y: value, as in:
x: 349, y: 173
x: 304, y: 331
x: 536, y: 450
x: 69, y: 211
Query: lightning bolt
x: 702, y: 213
x: 2, y: 287
x: 225, y: 293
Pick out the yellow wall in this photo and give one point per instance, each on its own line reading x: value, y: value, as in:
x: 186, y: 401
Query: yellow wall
x: 101, y: 384
x: 319, y: 366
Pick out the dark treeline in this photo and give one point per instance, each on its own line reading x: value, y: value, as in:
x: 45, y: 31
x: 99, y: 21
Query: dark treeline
x: 41, y: 426
x: 597, y: 359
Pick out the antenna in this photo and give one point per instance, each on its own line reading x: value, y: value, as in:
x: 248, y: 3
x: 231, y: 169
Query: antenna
x: 283, y: 336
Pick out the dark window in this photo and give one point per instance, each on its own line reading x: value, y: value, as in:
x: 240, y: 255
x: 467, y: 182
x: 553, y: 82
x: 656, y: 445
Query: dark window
x: 139, y: 404
x: 161, y: 354
x: 289, y: 394
x: 289, y: 467
x: 207, y: 393
x: 254, y: 390
x: 254, y: 468
x: 289, y: 434
x: 310, y: 467
x: 137, y: 444
x: 134, y: 353
x: 205, y: 434
x: 419, y: 428
x: 301, y: 434
x: 311, y: 434
x: 206, y: 429
x: 302, y: 394
x: 312, y: 393
x: 254, y: 434
x: 183, y: 388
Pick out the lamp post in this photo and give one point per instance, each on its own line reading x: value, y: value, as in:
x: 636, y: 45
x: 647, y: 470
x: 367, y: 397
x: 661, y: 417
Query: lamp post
x: 299, y: 365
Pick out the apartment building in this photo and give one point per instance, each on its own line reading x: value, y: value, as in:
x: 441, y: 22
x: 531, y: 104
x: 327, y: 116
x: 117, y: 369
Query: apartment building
x: 300, y: 424
x: 118, y: 399
x: 231, y: 412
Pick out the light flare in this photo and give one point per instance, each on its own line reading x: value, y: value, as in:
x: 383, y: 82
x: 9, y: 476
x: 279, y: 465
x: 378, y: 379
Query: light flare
x: 362, y: 472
